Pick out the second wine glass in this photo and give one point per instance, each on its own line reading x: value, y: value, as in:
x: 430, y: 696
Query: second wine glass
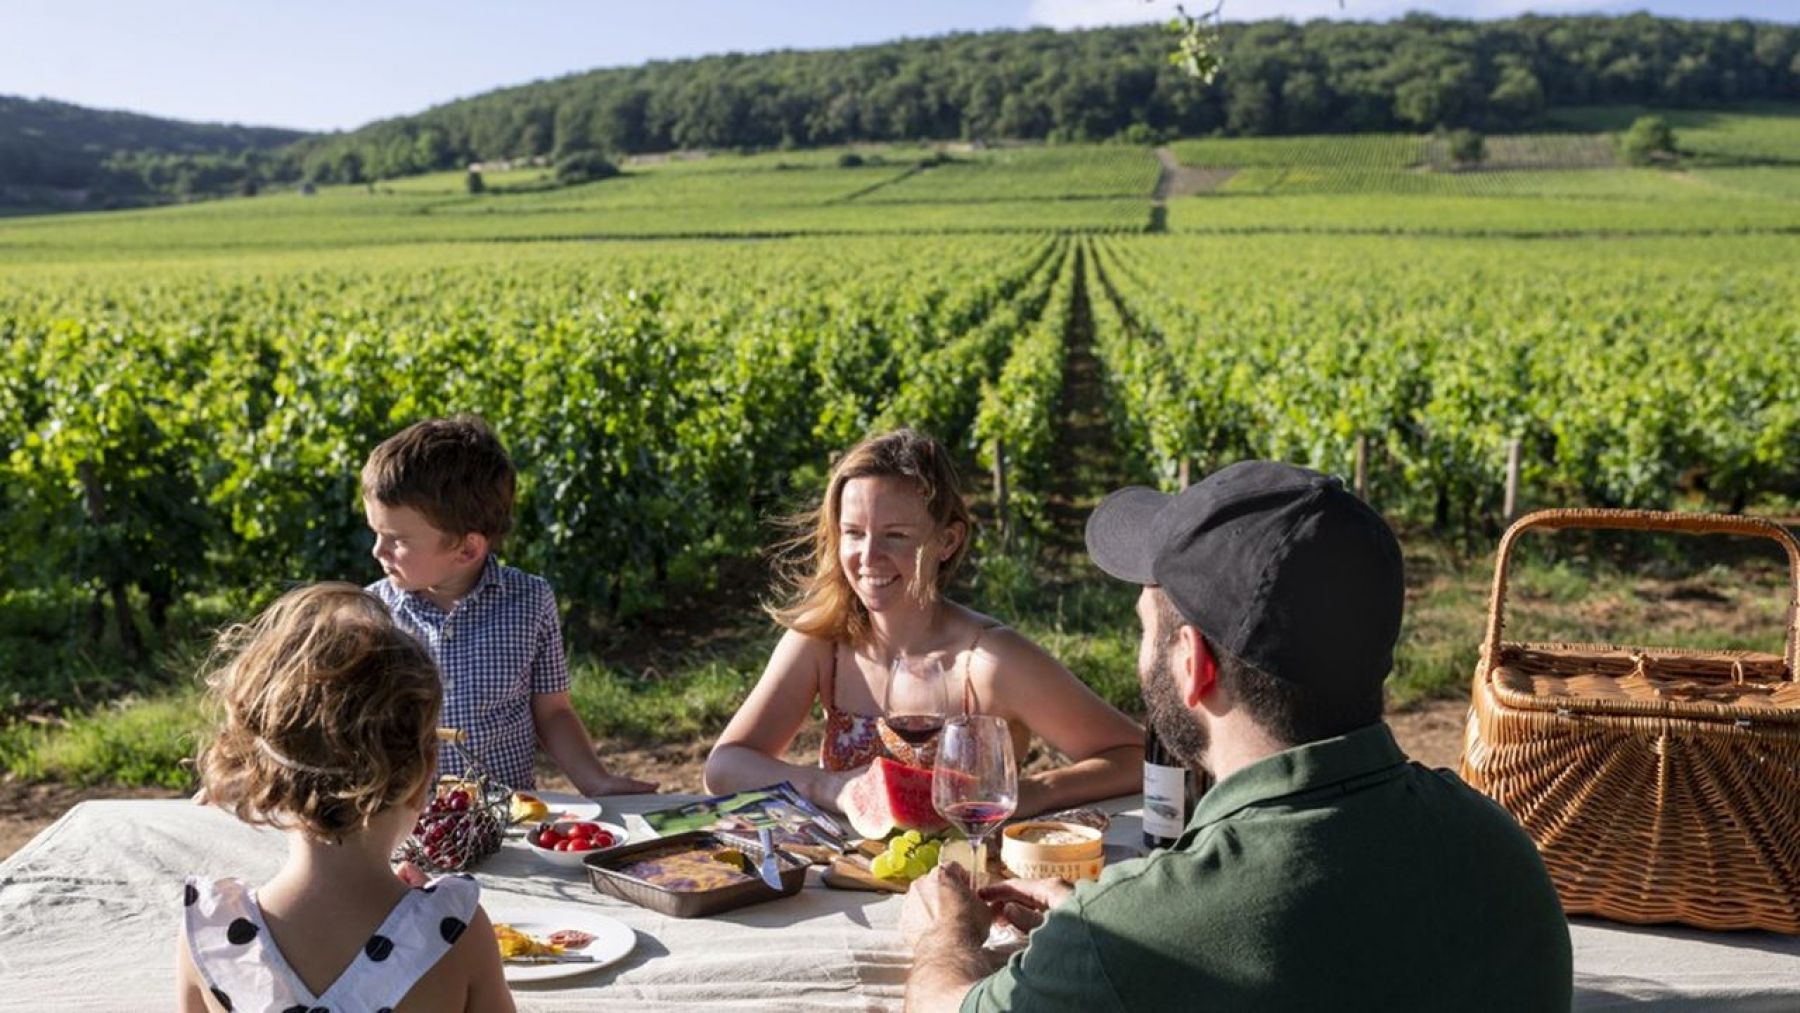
x: 975, y: 783
x: 917, y: 700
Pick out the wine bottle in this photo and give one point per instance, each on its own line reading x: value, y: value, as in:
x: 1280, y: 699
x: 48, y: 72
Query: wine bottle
x: 1167, y: 799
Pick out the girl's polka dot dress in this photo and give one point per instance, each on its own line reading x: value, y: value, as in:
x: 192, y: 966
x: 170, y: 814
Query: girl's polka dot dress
x: 241, y: 965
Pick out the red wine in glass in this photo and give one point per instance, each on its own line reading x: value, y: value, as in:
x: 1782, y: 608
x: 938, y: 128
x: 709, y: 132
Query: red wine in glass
x: 916, y: 729
x: 977, y: 819
x: 916, y: 698
x: 975, y: 782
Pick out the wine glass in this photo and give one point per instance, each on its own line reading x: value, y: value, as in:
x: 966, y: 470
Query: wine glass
x: 916, y: 700
x: 975, y: 783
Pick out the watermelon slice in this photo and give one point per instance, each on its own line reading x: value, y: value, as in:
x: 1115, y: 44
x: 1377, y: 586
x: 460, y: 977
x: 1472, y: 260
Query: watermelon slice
x: 890, y: 796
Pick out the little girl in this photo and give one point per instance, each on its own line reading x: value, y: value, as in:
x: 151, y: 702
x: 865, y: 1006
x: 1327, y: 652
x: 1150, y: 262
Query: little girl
x: 330, y: 734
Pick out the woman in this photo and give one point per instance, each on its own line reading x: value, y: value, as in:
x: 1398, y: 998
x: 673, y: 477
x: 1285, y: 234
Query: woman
x: 884, y: 543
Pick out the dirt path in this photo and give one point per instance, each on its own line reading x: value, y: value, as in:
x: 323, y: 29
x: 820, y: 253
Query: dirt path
x: 1177, y: 180
x: 1084, y: 449
x: 1431, y: 734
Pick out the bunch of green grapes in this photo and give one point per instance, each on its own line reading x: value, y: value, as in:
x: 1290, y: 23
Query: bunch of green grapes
x: 908, y: 856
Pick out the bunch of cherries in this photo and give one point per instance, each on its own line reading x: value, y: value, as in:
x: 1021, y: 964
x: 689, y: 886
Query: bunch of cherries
x: 454, y: 832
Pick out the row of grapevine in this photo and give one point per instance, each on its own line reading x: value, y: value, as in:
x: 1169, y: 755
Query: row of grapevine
x: 180, y: 430
x: 1627, y: 375
x: 1019, y: 407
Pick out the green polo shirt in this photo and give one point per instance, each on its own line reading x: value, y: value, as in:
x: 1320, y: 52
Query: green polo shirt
x: 1335, y: 875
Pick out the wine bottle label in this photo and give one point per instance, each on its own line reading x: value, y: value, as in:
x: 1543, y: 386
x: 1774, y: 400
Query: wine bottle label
x: 1165, y: 801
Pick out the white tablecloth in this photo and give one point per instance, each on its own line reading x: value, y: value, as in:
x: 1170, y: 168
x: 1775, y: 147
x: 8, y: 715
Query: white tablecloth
x: 90, y: 908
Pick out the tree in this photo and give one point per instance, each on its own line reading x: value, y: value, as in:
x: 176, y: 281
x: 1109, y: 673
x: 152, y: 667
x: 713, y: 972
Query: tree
x: 1467, y: 148
x: 583, y: 167
x: 1649, y: 141
x: 1519, y: 95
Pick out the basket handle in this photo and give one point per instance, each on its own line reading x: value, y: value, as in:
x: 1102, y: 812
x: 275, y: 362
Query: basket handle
x: 1647, y: 520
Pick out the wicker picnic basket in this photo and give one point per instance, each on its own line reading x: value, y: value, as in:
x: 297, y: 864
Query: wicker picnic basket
x: 1661, y: 785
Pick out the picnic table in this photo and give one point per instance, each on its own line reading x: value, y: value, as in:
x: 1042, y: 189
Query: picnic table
x: 89, y: 911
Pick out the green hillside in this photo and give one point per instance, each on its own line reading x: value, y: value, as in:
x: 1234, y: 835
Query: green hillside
x: 48, y: 149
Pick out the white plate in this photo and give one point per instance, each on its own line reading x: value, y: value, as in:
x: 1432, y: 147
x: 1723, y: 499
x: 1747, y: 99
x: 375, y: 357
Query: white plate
x: 613, y: 939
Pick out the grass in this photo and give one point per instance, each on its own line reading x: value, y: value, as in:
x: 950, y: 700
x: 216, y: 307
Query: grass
x: 1054, y: 173
x: 1707, y: 211
x: 1356, y: 151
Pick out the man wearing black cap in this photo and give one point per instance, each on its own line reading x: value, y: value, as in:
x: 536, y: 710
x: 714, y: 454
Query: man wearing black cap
x: 1323, y: 870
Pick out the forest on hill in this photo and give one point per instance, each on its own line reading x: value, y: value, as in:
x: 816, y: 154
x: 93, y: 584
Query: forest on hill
x: 48, y: 146
x: 1414, y: 74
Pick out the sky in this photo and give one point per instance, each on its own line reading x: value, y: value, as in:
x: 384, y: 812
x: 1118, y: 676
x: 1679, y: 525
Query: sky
x: 337, y: 64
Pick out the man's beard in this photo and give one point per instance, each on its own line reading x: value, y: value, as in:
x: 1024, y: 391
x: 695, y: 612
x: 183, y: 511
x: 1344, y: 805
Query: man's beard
x: 1180, y: 731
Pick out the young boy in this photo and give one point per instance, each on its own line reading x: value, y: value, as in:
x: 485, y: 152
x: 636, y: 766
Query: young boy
x: 439, y: 498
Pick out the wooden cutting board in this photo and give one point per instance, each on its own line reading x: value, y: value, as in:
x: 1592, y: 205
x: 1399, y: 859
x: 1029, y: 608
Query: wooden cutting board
x: 850, y: 871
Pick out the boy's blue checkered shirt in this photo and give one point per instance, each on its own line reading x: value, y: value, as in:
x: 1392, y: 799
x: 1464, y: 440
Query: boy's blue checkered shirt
x: 501, y: 644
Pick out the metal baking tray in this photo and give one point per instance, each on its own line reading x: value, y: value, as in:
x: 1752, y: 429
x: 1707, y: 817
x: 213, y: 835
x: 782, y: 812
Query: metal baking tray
x: 603, y: 872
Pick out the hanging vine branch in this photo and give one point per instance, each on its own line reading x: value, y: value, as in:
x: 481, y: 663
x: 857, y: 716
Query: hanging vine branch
x: 1198, y: 49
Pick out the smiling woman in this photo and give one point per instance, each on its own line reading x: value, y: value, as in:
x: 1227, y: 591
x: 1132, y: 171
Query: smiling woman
x: 867, y: 575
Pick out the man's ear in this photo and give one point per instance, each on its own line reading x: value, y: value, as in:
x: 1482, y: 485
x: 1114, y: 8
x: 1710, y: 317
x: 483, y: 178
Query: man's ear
x: 1197, y: 673
x: 474, y: 546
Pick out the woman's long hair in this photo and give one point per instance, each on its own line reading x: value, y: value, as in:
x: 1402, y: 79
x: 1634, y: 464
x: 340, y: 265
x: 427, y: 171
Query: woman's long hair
x: 820, y: 601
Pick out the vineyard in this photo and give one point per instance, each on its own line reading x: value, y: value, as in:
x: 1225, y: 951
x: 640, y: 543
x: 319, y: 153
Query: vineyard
x: 674, y: 355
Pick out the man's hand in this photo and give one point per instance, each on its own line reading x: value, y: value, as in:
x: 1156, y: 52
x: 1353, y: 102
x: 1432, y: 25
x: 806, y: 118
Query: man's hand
x: 942, y: 911
x: 1022, y: 903
x: 945, y: 924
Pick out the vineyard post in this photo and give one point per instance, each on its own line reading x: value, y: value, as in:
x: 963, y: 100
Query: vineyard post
x: 1509, y: 505
x: 1362, y: 467
x: 1000, y: 504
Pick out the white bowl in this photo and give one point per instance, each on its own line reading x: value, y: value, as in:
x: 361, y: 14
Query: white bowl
x: 572, y: 859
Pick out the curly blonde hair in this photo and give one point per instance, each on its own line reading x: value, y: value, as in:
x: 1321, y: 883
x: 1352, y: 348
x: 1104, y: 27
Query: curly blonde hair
x: 330, y: 714
x: 820, y: 601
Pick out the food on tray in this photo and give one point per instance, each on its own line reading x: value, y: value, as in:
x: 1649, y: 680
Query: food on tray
x: 577, y: 836
x: 908, y: 856
x: 891, y: 796
x: 527, y: 808
x: 689, y: 868
x: 515, y: 944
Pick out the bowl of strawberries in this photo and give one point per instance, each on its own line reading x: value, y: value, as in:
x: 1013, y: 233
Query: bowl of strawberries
x: 567, y: 842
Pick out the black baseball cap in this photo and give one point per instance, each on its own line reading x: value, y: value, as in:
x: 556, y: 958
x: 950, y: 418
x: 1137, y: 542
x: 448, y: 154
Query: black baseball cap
x: 1277, y: 566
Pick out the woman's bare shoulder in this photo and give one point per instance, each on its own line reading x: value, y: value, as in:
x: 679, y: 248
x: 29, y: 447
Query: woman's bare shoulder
x: 997, y: 646
x: 801, y: 649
